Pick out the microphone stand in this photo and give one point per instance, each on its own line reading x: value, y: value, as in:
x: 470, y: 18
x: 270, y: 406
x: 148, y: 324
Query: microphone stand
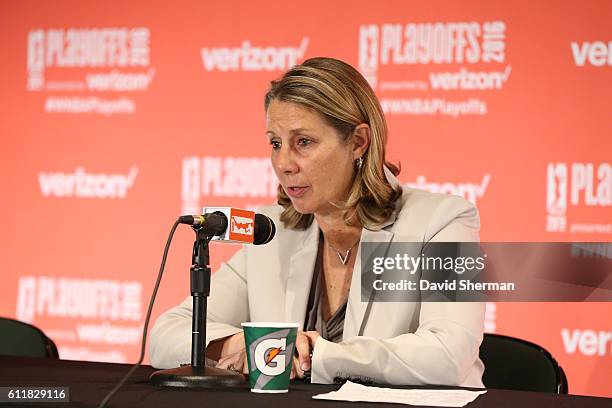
x: 197, y: 374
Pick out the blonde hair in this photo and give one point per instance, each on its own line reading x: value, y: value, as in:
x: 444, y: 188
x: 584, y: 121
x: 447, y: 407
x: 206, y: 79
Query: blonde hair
x: 342, y: 96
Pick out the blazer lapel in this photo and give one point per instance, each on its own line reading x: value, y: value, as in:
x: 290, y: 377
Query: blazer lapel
x: 356, y: 308
x: 299, y: 279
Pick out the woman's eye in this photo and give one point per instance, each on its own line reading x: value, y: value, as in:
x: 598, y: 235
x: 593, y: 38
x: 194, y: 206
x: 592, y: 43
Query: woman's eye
x: 304, y: 142
x: 275, y: 145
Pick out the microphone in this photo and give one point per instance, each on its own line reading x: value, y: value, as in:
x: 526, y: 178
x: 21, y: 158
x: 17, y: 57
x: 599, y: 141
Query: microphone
x: 264, y: 229
x: 244, y: 226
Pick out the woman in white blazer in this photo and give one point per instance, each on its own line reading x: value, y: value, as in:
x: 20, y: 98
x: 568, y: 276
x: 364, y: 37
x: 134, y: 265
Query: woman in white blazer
x: 327, y: 134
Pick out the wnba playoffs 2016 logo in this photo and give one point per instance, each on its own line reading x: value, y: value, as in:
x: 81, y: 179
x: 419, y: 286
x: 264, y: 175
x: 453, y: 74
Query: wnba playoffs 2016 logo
x: 437, y: 43
x: 578, y: 186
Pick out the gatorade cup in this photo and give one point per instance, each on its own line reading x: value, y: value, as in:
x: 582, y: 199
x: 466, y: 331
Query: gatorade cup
x: 270, y: 348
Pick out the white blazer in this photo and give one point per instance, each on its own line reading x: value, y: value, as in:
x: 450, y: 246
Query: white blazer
x: 401, y: 343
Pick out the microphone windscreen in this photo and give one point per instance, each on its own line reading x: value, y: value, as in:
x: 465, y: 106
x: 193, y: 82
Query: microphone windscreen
x: 216, y: 223
x: 264, y: 229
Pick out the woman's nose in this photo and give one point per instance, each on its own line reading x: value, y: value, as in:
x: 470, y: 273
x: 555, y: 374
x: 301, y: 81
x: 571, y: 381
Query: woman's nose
x: 284, y: 161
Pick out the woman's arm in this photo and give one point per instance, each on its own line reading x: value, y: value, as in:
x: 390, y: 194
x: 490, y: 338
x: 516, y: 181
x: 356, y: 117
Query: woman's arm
x: 443, y: 350
x: 170, y: 340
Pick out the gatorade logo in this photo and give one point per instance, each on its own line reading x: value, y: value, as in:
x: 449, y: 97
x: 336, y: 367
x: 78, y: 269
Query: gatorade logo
x: 268, y: 357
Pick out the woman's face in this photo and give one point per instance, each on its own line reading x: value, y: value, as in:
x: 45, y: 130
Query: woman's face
x: 313, y: 165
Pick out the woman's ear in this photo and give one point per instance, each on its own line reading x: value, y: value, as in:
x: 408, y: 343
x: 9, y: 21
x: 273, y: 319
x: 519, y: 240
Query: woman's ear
x: 360, y: 140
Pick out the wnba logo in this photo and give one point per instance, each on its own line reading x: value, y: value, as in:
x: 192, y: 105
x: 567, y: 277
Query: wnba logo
x: 368, y: 52
x: 556, y: 197
x: 269, y: 357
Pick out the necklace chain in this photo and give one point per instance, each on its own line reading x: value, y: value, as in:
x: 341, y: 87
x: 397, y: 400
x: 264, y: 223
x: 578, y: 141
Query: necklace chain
x: 344, y: 259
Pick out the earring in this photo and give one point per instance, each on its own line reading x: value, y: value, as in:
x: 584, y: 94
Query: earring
x: 359, y: 163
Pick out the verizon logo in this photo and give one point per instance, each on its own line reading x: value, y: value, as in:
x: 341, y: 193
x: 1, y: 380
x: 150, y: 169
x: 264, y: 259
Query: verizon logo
x: 470, y: 191
x: 253, y: 58
x: 587, y: 342
x: 86, y: 185
x: 108, y: 333
x: 117, y: 81
x: 597, y: 53
x: 472, y: 80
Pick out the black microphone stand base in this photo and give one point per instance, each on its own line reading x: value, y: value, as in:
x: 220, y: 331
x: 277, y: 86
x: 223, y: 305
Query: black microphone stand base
x: 197, y: 374
x: 197, y: 377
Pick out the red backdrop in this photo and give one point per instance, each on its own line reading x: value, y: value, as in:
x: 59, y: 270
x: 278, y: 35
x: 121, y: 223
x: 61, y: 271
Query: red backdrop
x: 116, y: 117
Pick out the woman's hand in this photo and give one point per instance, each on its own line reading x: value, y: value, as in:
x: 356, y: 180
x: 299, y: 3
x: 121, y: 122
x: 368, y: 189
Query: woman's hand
x: 235, y: 362
x: 304, y: 344
x: 229, y: 352
x: 220, y: 348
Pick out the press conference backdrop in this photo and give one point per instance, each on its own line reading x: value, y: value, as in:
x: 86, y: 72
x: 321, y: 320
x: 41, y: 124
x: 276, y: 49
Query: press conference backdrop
x: 116, y: 117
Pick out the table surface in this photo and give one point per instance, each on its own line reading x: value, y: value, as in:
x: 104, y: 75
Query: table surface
x: 89, y: 382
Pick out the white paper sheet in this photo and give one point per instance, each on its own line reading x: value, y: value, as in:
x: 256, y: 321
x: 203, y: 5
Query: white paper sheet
x: 434, y: 398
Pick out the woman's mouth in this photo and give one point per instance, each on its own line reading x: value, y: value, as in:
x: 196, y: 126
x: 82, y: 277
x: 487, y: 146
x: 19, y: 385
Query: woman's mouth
x: 296, y: 192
